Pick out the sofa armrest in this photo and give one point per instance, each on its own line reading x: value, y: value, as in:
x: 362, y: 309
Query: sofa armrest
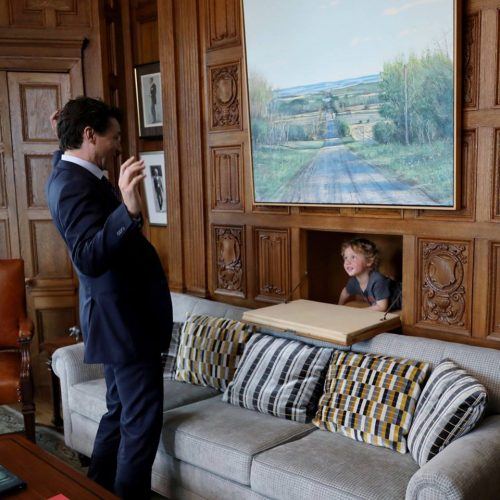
x: 468, y: 468
x: 68, y: 365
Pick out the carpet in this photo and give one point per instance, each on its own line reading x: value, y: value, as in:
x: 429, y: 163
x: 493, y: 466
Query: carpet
x: 47, y: 438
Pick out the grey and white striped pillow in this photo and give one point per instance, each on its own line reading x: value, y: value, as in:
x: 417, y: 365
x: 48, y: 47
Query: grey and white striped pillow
x: 170, y: 356
x: 451, y: 404
x: 279, y: 377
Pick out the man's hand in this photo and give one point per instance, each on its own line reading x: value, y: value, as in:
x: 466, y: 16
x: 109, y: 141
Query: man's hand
x: 131, y: 174
x: 53, y: 120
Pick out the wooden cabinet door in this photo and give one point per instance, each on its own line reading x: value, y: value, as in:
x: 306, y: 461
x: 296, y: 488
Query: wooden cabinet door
x: 51, y: 283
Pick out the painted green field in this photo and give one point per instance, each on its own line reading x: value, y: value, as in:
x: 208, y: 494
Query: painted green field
x: 276, y: 165
x: 427, y: 166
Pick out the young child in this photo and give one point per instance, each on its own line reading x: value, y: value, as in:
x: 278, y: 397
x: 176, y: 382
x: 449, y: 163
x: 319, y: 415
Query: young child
x: 361, y: 261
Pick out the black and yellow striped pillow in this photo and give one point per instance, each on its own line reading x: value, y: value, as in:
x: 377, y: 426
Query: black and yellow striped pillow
x: 210, y: 349
x: 371, y: 398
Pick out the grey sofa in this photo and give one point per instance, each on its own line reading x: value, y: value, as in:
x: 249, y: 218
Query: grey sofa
x: 210, y: 449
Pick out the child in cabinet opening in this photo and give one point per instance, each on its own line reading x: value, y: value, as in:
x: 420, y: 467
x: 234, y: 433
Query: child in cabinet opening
x: 361, y: 260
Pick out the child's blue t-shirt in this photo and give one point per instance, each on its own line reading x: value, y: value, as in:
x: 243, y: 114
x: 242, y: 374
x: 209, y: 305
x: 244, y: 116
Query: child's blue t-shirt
x: 379, y: 287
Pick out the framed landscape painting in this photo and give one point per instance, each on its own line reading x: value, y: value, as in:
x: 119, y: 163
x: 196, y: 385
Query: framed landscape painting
x: 354, y: 103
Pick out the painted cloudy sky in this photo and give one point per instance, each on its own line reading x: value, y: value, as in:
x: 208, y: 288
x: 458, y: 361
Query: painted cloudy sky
x: 298, y: 42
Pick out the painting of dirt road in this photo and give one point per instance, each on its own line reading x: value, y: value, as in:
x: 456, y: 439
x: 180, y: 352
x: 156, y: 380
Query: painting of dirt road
x: 352, y: 103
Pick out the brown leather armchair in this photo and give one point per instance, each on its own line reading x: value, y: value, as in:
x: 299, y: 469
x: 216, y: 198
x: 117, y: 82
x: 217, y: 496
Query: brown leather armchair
x: 16, y: 332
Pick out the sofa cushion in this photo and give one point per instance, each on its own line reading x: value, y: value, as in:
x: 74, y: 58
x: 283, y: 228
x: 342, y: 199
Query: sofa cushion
x: 451, y: 404
x: 480, y: 362
x: 89, y: 398
x: 329, y: 465
x: 371, y: 398
x: 222, y: 438
x: 210, y: 349
x: 184, y: 305
x: 280, y: 377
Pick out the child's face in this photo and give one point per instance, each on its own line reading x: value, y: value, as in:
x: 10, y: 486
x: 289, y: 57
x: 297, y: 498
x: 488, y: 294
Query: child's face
x: 355, y: 263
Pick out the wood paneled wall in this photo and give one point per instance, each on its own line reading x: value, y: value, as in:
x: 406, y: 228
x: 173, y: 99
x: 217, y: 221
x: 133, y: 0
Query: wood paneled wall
x: 223, y: 246
x: 50, y: 51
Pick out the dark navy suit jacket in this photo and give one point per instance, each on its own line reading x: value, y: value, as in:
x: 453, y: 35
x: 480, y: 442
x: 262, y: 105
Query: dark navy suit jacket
x: 125, y: 305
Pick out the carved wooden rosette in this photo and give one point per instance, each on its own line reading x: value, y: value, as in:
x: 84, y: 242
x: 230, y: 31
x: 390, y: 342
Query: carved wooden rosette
x: 444, y: 283
x: 229, y: 260
x: 273, y: 264
x: 225, y: 95
x: 471, y: 61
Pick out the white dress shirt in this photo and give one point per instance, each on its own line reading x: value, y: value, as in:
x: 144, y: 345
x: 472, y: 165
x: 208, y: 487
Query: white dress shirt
x: 91, y: 167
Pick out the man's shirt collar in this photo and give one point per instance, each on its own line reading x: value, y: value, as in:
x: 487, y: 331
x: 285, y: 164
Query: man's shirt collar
x: 91, y: 167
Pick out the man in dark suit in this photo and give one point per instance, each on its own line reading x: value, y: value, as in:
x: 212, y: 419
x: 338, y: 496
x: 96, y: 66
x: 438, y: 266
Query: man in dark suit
x: 125, y: 306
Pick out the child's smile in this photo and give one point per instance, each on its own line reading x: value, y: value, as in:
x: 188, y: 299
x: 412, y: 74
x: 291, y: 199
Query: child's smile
x: 355, y: 264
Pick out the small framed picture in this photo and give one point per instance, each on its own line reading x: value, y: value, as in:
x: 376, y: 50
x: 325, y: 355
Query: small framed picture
x: 155, y: 187
x: 149, y: 102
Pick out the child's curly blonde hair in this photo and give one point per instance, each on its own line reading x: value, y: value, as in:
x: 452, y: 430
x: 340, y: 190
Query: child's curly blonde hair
x: 365, y: 247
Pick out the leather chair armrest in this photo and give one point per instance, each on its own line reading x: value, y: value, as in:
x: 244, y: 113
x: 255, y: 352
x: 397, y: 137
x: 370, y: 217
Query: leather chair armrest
x: 468, y: 468
x: 26, y: 329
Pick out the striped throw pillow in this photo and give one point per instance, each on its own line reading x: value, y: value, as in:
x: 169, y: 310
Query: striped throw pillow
x: 451, y: 404
x: 279, y: 377
x: 371, y: 398
x: 209, y: 350
x: 170, y: 356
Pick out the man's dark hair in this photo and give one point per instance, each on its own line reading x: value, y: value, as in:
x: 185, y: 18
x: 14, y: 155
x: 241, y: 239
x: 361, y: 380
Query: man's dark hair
x: 80, y: 113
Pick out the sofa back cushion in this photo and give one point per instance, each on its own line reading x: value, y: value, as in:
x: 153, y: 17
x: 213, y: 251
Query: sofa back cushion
x: 209, y: 350
x: 371, y: 398
x: 480, y: 362
x: 451, y: 404
x: 279, y: 377
x: 184, y: 305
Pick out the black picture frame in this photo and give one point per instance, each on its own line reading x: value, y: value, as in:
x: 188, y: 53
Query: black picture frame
x: 149, y: 100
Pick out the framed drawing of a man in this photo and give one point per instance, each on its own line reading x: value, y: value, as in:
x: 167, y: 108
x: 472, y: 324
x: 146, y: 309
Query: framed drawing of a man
x: 155, y: 187
x: 354, y: 103
x: 149, y: 99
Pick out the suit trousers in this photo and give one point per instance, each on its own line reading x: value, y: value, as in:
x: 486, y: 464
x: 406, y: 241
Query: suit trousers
x: 129, y: 433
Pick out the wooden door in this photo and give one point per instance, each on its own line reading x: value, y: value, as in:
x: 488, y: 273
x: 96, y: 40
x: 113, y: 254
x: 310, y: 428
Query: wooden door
x: 50, y: 280
x: 9, y: 235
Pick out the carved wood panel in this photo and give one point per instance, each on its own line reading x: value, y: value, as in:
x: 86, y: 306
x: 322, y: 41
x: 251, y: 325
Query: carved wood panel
x: 223, y: 23
x: 225, y: 97
x: 445, y: 285
x: 229, y: 266
x: 50, y: 257
x: 273, y: 264
x: 467, y: 176
x: 496, y: 181
x: 4, y: 240
x: 49, y: 13
x: 320, y: 210
x: 54, y: 323
x: 494, y: 296
x: 38, y: 168
x: 9, y: 235
x: 37, y: 101
x: 3, y: 192
x: 497, y: 100
x: 227, y: 178
x: 471, y: 60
